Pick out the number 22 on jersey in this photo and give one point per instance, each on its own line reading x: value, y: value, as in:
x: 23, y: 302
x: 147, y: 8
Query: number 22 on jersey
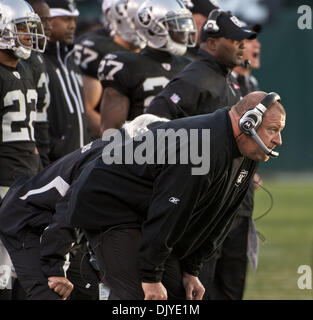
x: 26, y: 109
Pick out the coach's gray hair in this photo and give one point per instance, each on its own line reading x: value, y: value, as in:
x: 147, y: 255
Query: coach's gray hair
x: 139, y: 124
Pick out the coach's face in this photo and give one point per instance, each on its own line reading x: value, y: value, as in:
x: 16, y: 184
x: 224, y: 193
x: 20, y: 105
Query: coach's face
x: 63, y: 29
x: 252, y: 53
x: 269, y: 132
x: 229, y: 52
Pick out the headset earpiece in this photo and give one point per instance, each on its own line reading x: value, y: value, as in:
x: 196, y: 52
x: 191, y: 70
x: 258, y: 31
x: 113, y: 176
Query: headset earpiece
x: 247, y: 125
x: 211, y: 24
x: 252, y: 119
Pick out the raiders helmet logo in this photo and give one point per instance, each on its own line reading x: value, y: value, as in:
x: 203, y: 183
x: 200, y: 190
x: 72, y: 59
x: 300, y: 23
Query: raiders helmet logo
x: 121, y: 9
x: 144, y: 16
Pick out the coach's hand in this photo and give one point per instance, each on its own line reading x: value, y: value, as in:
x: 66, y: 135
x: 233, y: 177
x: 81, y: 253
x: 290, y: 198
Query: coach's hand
x: 62, y: 286
x: 193, y: 286
x: 154, y: 291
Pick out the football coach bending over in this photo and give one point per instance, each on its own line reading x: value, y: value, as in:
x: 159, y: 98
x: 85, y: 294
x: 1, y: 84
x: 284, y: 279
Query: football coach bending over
x: 151, y: 225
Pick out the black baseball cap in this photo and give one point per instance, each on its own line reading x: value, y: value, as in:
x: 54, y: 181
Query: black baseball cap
x: 62, y: 8
x: 230, y: 27
x: 203, y: 7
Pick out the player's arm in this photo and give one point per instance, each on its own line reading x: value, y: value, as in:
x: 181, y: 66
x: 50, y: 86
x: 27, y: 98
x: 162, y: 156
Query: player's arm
x: 88, y: 58
x: 56, y: 242
x: 114, y: 109
x: 115, y: 74
x: 92, y: 93
x: 172, y: 204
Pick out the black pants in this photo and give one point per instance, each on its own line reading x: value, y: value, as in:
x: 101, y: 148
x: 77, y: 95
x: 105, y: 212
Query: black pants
x: 117, y: 253
x: 26, y: 261
x: 16, y: 293
x: 224, y: 275
x: 82, y: 275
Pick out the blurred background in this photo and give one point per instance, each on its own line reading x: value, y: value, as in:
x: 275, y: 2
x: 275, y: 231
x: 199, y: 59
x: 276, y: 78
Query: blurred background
x: 286, y: 67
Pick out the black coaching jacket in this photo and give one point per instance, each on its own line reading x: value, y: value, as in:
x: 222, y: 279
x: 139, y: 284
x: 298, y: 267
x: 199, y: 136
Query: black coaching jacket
x: 177, y: 211
x: 202, y: 87
x: 66, y: 113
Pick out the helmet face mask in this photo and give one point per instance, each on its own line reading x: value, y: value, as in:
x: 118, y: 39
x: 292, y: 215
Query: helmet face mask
x: 182, y: 30
x: 166, y: 25
x: 21, y: 29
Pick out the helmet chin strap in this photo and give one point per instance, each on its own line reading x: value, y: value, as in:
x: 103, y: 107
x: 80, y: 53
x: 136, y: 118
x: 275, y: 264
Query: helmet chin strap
x: 21, y: 52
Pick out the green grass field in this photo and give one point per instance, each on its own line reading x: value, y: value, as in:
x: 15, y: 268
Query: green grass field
x: 288, y: 229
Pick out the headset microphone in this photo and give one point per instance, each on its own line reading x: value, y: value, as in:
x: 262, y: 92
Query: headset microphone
x: 261, y: 144
x: 245, y: 64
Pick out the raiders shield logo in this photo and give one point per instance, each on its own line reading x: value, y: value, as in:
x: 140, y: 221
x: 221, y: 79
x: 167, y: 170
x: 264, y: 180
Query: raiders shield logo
x: 121, y: 9
x: 236, y: 21
x: 242, y: 175
x: 144, y: 16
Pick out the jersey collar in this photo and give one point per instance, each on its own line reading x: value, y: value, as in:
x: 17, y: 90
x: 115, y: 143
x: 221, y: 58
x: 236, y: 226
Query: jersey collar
x: 158, y: 55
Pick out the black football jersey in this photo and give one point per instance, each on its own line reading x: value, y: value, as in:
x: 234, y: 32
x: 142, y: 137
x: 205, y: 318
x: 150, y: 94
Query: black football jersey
x: 18, y: 99
x: 139, y: 76
x: 38, y: 67
x: 91, y: 47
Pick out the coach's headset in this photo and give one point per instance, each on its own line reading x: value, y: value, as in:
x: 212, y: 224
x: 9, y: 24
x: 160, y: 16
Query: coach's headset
x: 252, y: 119
x: 211, y: 24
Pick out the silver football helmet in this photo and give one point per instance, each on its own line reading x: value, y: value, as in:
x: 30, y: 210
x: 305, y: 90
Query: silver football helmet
x: 166, y: 25
x: 188, y: 4
x: 106, y: 7
x: 121, y: 16
x: 20, y: 28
